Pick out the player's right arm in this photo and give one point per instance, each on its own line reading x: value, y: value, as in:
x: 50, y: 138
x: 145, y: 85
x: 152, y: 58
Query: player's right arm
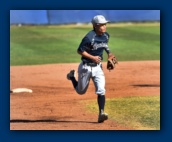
x: 95, y: 59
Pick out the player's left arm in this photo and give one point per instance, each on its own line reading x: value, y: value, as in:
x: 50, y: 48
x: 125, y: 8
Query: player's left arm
x: 109, y: 53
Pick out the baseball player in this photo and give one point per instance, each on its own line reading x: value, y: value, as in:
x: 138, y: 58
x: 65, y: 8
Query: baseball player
x: 91, y: 50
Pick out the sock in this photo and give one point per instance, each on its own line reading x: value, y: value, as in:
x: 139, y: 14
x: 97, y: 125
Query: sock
x: 74, y: 82
x: 101, y: 102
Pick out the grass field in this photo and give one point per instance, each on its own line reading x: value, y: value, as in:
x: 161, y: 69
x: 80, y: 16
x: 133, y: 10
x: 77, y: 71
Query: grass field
x: 31, y: 45
x: 140, y: 113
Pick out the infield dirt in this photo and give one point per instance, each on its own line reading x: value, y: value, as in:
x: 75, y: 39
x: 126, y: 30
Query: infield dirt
x: 54, y: 104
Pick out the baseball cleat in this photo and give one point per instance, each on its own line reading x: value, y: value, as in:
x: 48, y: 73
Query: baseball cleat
x: 102, y: 117
x: 71, y: 74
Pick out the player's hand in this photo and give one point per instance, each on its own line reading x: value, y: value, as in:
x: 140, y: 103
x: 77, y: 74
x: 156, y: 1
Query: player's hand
x: 96, y: 59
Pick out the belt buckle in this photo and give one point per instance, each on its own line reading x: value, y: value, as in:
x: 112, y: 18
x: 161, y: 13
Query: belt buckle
x: 92, y: 64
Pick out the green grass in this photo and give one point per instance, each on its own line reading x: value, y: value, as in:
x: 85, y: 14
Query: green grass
x: 58, y: 44
x: 140, y: 113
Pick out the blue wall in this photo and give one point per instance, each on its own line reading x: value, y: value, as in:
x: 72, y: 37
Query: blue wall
x: 79, y: 16
x: 28, y: 16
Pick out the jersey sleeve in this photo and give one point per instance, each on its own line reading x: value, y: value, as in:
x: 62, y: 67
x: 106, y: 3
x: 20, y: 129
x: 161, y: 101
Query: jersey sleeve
x: 84, y: 45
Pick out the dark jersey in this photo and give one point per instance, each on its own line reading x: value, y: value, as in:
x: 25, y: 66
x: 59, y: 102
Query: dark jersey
x: 94, y: 44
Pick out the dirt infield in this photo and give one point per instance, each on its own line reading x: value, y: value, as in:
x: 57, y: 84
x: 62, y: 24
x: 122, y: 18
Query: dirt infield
x: 54, y: 105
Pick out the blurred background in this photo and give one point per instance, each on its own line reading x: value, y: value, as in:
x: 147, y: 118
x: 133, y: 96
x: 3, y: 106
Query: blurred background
x: 80, y: 16
x: 45, y: 36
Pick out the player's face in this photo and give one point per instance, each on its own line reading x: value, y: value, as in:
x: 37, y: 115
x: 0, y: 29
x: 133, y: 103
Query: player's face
x: 100, y: 28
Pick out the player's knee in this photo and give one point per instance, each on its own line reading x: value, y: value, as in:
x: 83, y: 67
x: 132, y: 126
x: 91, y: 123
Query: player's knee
x: 100, y: 92
x: 80, y: 92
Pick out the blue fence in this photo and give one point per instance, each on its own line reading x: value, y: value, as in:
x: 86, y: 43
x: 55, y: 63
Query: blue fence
x: 79, y: 16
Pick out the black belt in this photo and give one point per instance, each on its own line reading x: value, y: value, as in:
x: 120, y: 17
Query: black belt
x: 90, y: 64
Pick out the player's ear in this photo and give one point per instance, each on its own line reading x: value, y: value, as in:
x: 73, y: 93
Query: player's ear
x: 94, y: 27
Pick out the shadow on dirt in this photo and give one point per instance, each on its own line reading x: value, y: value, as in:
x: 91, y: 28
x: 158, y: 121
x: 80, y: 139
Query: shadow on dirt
x: 62, y: 121
x: 146, y: 85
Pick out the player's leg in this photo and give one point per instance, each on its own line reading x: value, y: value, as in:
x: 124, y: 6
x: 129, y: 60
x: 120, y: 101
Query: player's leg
x: 99, y: 82
x: 84, y: 75
x: 101, y: 103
